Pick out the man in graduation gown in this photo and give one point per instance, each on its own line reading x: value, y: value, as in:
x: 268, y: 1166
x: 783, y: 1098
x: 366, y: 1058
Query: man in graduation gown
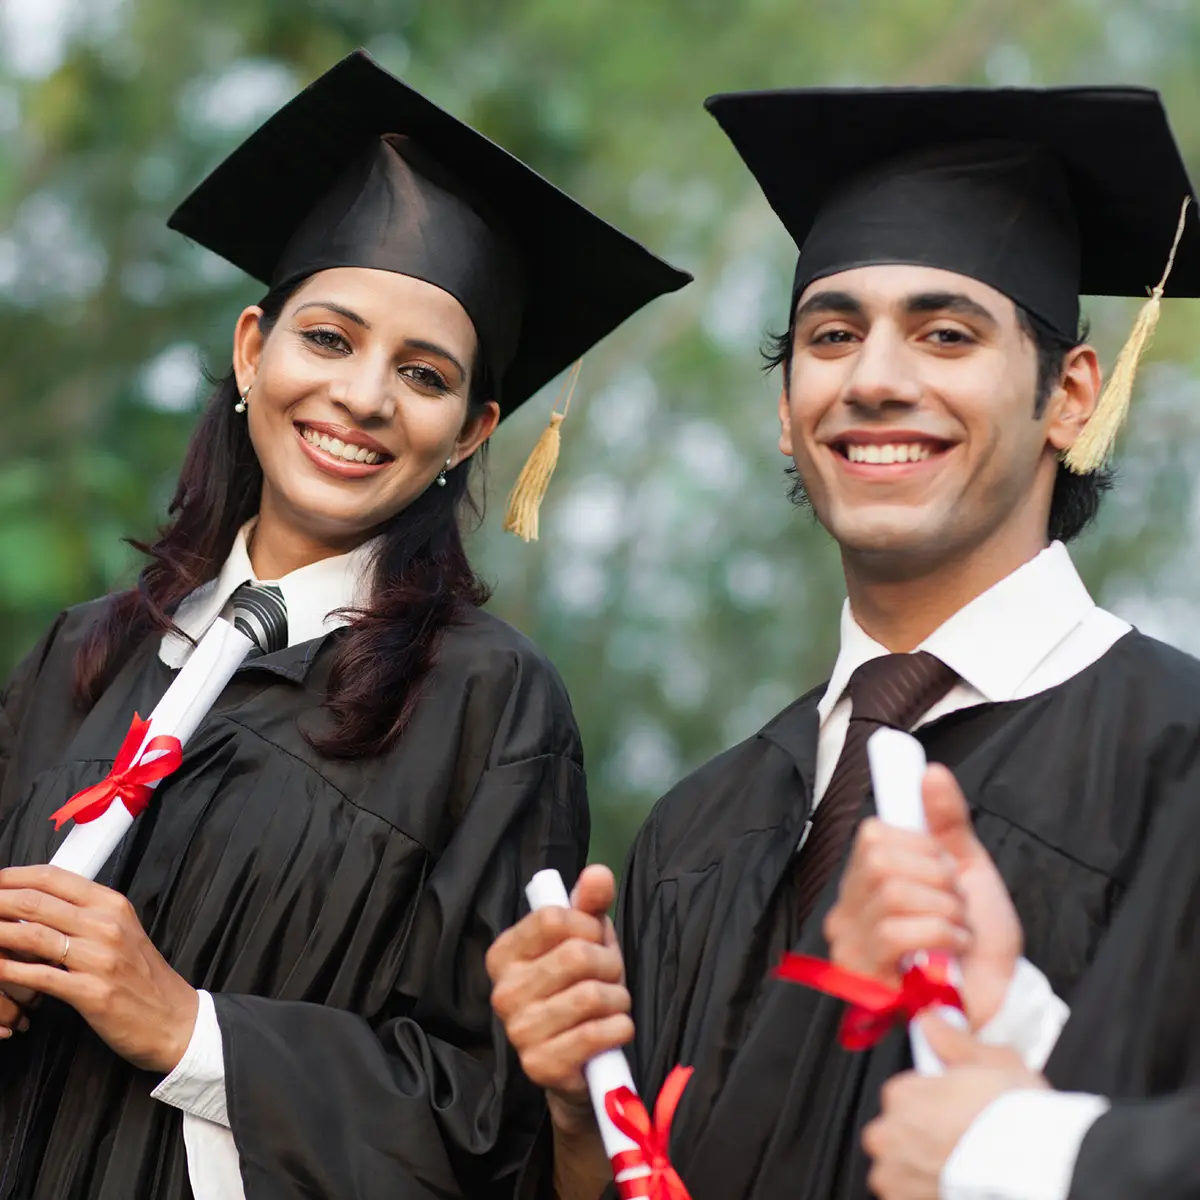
x: 1126, y: 1065
x: 933, y: 382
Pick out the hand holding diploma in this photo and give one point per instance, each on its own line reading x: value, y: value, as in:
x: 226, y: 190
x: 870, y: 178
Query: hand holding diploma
x: 559, y: 988
x: 82, y: 943
x: 907, y: 892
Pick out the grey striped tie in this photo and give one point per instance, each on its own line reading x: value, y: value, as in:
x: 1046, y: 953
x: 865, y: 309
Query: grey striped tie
x: 260, y: 613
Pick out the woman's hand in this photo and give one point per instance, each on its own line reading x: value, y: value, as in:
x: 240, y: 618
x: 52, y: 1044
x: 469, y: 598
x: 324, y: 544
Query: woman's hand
x: 12, y: 1015
x: 93, y: 954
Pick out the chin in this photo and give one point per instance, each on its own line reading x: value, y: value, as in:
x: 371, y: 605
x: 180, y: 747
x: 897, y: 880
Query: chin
x: 901, y: 532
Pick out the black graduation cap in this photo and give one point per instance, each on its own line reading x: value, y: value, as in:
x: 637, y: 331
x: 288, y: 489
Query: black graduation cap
x: 360, y: 170
x: 1042, y: 193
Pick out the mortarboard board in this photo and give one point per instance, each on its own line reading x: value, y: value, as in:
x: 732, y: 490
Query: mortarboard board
x: 361, y: 170
x: 1042, y: 193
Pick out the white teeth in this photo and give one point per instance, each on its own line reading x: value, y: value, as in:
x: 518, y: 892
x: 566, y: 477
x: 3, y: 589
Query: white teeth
x: 347, y: 451
x: 888, y: 453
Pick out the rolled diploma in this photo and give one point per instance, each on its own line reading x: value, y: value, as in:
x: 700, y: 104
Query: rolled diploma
x: 184, y: 705
x: 897, y: 768
x: 608, y: 1070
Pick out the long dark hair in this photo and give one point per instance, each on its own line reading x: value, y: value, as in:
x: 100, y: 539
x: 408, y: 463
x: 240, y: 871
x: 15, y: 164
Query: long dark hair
x: 423, y: 580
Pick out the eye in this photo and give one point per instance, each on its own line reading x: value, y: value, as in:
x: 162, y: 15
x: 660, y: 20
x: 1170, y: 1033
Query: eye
x: 832, y: 337
x: 324, y: 338
x: 950, y: 336
x: 427, y: 378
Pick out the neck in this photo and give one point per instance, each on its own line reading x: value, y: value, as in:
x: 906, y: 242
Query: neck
x: 901, y: 610
x: 277, y: 548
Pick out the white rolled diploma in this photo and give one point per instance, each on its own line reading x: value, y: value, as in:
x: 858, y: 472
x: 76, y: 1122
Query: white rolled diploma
x: 178, y: 714
x: 897, y: 769
x: 609, y: 1070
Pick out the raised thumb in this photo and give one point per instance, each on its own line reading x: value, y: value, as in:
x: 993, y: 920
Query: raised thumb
x: 594, y: 891
x: 947, y: 815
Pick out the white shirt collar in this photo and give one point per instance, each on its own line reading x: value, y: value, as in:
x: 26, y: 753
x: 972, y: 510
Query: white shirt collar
x: 313, y: 594
x: 994, y: 642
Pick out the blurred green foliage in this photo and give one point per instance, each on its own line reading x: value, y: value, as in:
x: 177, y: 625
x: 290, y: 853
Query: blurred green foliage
x: 683, y: 599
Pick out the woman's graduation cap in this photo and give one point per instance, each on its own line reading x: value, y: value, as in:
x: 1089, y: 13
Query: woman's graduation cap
x: 360, y: 170
x: 1043, y: 194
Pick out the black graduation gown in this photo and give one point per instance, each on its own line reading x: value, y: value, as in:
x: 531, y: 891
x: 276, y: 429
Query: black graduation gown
x: 339, y: 912
x: 1133, y: 1034
x: 1062, y: 785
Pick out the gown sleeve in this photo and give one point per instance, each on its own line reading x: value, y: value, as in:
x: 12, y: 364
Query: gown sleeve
x: 14, y: 697
x: 431, y: 1102
x: 1142, y: 1148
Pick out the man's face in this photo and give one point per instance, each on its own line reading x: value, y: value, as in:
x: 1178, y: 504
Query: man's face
x: 910, y: 414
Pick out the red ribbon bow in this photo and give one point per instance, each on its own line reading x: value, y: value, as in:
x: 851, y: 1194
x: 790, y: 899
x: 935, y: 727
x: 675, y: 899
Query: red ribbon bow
x: 128, y: 781
x: 875, y: 1007
x: 653, y: 1138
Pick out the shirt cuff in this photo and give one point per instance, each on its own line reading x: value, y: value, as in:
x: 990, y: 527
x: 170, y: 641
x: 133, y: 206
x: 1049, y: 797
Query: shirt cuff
x: 197, y: 1085
x: 1030, y: 1018
x: 1023, y: 1146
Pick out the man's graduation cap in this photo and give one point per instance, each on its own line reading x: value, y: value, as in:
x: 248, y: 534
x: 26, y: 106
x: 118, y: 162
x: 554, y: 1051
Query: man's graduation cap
x: 360, y: 170
x: 1043, y: 194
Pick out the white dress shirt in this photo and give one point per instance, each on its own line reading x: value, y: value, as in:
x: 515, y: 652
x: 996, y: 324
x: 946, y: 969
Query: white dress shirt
x: 1024, y: 1145
x: 1034, y: 630
x: 313, y: 595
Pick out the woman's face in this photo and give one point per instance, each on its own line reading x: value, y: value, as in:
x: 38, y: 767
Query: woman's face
x: 357, y: 399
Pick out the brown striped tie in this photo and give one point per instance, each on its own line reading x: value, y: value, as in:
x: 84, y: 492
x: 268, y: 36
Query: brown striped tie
x: 892, y: 691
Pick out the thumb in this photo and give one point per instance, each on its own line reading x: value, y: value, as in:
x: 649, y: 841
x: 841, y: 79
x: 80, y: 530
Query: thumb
x: 957, y: 1048
x: 946, y: 813
x: 594, y: 891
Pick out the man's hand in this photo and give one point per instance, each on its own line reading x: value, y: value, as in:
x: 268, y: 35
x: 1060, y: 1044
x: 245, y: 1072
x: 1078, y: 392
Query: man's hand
x: 559, y: 988
x: 924, y: 1117
x: 903, y: 892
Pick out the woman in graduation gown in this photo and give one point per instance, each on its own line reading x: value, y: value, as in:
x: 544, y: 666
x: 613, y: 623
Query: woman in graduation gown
x: 289, y: 945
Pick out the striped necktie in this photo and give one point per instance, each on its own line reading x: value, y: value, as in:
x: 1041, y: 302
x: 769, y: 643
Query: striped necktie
x: 892, y: 691
x: 260, y: 613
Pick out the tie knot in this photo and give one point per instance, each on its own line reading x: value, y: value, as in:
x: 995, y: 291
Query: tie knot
x: 260, y: 613
x: 896, y: 689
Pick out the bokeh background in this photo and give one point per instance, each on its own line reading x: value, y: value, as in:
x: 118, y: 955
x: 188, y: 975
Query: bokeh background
x: 682, y: 598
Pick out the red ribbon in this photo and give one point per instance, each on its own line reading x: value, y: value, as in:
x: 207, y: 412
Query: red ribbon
x: 128, y: 781
x: 875, y: 1007
x: 652, y: 1138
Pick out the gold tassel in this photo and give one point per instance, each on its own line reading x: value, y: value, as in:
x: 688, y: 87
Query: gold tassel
x: 525, y: 500
x: 1095, y: 444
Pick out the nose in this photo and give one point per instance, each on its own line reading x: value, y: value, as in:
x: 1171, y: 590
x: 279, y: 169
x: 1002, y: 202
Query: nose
x: 884, y: 374
x: 366, y: 391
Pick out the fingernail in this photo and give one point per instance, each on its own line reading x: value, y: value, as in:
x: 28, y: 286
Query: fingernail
x: 5, y: 1032
x: 23, y: 1025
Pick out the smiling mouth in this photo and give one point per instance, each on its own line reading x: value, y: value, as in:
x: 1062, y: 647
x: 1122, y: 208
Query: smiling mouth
x: 339, y: 448
x: 889, y: 453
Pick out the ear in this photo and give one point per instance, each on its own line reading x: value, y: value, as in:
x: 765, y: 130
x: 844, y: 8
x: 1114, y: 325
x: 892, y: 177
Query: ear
x: 476, y: 431
x: 1073, y: 401
x: 247, y: 347
x: 785, y: 420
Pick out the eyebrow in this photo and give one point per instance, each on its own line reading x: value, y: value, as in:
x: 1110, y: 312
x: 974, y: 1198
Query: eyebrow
x: 841, y: 303
x: 341, y: 311
x: 920, y: 304
x: 925, y: 303
x: 409, y: 343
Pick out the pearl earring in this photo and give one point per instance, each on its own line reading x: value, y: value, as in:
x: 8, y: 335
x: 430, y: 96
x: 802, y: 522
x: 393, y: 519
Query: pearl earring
x: 441, y: 479
x: 240, y: 406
